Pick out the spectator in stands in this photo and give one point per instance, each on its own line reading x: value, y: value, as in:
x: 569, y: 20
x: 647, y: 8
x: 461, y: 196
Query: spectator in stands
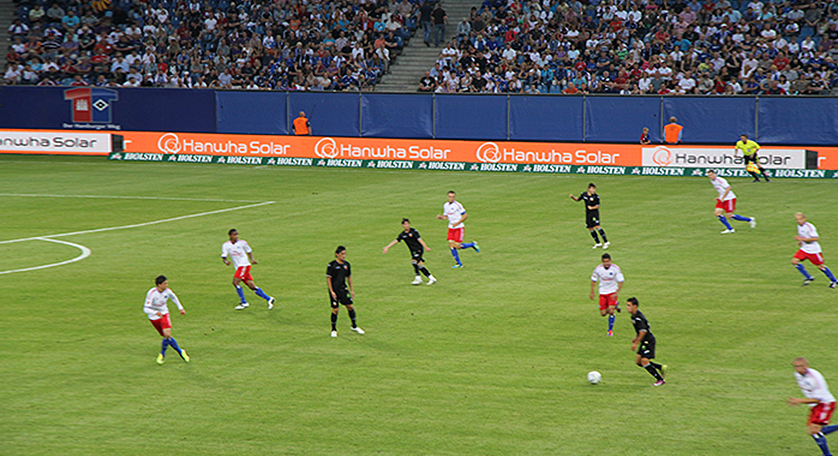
x: 673, y: 131
x: 440, y: 20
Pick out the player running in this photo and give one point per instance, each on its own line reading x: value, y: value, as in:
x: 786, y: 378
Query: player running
x: 726, y: 203
x: 591, y: 200
x: 818, y: 398
x: 810, y: 249
x: 456, y: 215
x: 158, y: 313
x: 749, y: 150
x: 417, y: 247
x: 611, y: 279
x: 338, y: 274
x: 239, y: 251
x: 646, y: 341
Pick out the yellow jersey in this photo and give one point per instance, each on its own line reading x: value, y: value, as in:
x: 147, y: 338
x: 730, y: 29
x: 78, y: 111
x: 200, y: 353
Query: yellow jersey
x: 748, y: 147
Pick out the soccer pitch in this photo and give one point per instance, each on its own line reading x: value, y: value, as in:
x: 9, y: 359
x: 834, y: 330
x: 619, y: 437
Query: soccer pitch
x: 491, y: 360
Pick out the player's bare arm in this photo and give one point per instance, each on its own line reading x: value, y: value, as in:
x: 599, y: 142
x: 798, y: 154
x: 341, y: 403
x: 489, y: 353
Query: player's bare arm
x: 465, y: 216
x: 441, y: 216
x: 351, y: 290
x: 573, y: 197
x: 250, y: 255
x: 226, y: 262
x: 593, y: 285
x: 593, y: 208
x: 387, y: 247
x: 802, y: 400
x: 637, y: 339
x: 424, y: 245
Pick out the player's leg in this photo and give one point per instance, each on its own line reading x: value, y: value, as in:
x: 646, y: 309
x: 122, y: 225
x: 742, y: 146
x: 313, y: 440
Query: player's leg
x: 761, y: 169
x: 822, y: 266
x: 611, y: 319
x: 335, y: 308
x: 351, y: 311
x: 748, y: 160
x: 240, y: 292
x: 453, y: 245
x: 719, y: 212
x: 260, y: 293
x: 424, y: 270
x: 595, y: 236
x: 418, y: 279
x: 173, y: 344
x: 742, y: 218
x: 158, y: 325
x: 605, y: 242
x: 820, y: 437
x: 646, y: 354
x: 795, y: 261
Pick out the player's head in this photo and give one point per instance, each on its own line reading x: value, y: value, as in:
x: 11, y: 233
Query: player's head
x: 800, y: 217
x: 606, y: 260
x: 711, y: 174
x: 340, y: 252
x: 406, y: 223
x: 591, y: 188
x: 234, y: 235
x: 801, y: 365
x: 632, y: 305
x: 451, y: 196
x: 743, y: 137
x: 673, y: 119
x: 162, y: 282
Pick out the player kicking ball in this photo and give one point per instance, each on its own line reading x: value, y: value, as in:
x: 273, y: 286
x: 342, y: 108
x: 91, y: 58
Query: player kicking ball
x: 239, y: 251
x: 726, y: 203
x: 417, y: 247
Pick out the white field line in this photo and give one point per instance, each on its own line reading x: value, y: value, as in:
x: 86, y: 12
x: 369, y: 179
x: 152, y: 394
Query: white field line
x: 156, y: 198
x: 85, y: 252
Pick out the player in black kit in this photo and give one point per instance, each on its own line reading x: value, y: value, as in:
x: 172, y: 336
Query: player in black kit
x: 417, y: 247
x: 591, y: 200
x: 338, y: 274
x: 646, y: 340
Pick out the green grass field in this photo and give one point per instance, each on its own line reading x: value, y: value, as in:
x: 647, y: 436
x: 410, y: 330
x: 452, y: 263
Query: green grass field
x: 491, y: 360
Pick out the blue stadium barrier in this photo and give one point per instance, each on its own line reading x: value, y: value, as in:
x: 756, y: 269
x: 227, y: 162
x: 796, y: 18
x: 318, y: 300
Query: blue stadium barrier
x: 617, y: 118
x: 706, y: 120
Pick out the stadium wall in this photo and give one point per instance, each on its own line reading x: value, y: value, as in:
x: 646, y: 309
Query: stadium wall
x: 610, y: 119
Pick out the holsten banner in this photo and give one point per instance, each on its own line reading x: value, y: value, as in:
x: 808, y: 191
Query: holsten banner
x: 436, y: 154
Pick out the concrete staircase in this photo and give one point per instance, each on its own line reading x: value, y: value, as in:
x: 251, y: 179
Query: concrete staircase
x: 7, y: 16
x: 416, y: 58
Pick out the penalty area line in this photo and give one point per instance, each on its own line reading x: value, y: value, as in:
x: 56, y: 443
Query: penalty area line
x: 138, y: 225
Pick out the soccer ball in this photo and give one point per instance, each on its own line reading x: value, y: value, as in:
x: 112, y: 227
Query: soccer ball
x: 594, y: 377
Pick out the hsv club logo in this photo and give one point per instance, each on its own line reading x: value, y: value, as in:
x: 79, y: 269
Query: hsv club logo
x: 91, y: 104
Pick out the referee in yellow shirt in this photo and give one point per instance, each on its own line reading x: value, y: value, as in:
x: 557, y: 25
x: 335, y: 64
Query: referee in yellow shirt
x: 749, y: 150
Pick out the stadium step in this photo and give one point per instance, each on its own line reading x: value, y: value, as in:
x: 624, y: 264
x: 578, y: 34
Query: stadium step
x: 417, y: 58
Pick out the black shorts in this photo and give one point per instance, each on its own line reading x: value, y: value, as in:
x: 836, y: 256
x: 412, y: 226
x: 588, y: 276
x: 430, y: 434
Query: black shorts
x: 647, y: 349
x: 342, y: 298
x: 417, y: 256
x: 592, y: 219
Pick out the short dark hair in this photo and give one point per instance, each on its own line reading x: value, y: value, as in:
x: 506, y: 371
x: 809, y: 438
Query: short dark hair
x: 232, y: 230
x: 591, y: 185
x: 744, y: 134
x: 606, y: 255
x: 633, y: 300
x: 406, y: 220
x: 339, y: 249
x: 160, y: 279
x: 452, y: 191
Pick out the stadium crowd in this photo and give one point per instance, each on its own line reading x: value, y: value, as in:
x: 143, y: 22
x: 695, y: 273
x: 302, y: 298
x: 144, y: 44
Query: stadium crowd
x: 710, y: 47
x: 505, y: 46
x: 232, y: 44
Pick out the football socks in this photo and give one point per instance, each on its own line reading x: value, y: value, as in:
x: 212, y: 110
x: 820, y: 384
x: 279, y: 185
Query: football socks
x: 261, y: 294
x: 425, y: 271
x: 828, y: 273
x: 334, y: 321
x: 740, y: 218
x: 593, y: 235
x: 173, y: 344
x: 240, y: 291
x: 611, y: 319
x: 352, y: 317
x: 655, y: 365
x: 826, y: 430
x: 416, y: 268
x: 654, y: 372
x: 467, y: 245
x: 820, y: 439
x: 163, y: 349
x: 456, y: 255
x: 803, y: 271
x: 723, y: 219
x: 602, y: 233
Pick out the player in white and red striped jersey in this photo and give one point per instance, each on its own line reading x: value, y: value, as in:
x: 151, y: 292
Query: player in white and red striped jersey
x: 818, y: 398
x: 158, y: 313
x: 610, y: 278
x: 239, y: 252
x: 726, y: 203
x: 810, y: 249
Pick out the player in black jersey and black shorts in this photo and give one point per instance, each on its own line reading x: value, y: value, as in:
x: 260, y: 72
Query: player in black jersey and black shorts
x: 338, y: 274
x: 417, y: 247
x: 591, y: 200
x: 646, y: 340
